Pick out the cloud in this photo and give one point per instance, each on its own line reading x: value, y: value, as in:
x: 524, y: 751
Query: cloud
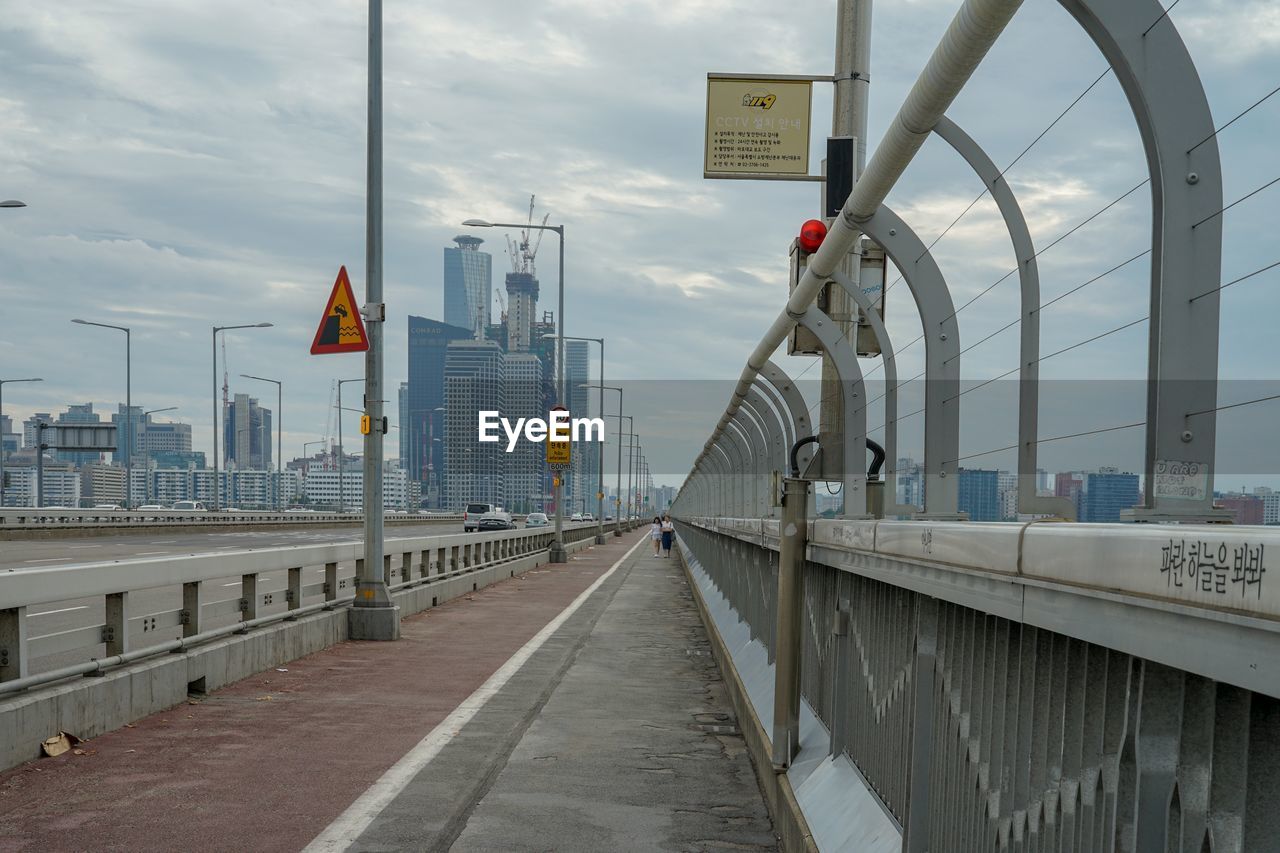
x: 190, y: 163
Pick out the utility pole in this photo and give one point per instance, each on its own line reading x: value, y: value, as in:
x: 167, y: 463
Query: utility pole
x: 373, y: 615
x: 848, y: 119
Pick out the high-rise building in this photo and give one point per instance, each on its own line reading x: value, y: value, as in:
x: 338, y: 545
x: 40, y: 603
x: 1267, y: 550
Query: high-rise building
x: 910, y: 482
x: 980, y: 494
x: 1069, y: 484
x: 468, y: 285
x: 1270, y: 504
x: 123, y: 427
x: 1247, y: 509
x: 522, y: 308
x: 1007, y: 488
x: 1106, y: 493
x: 10, y: 440
x: 81, y: 413
x: 473, y: 382
x: 423, y: 421
x: 524, y: 465
x: 155, y: 438
x: 29, y: 427
x: 246, y: 438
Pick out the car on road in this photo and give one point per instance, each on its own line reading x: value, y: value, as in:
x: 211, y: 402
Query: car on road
x: 496, y: 519
x: 577, y: 516
x: 472, y: 514
x: 536, y: 519
x: 189, y: 506
x: 586, y: 516
x: 149, y: 507
x: 106, y: 506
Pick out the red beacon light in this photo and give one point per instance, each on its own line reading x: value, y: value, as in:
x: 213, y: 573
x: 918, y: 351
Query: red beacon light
x: 811, y: 235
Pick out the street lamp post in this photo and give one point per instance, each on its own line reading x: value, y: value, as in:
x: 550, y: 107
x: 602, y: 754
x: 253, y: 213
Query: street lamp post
x: 617, y: 508
x: 342, y: 451
x: 279, y: 435
x: 128, y: 486
x: 217, y: 329
x: 600, y: 454
x: 128, y: 399
x: 2, y: 384
x: 558, y: 553
x: 630, y: 436
x: 374, y: 615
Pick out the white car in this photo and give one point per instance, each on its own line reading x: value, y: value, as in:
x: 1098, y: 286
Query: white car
x: 189, y: 506
x: 536, y: 519
x: 586, y: 516
x: 577, y: 516
x: 497, y: 519
x: 472, y: 514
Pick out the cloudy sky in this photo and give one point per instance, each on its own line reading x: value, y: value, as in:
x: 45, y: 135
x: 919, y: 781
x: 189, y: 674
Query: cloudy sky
x: 193, y: 163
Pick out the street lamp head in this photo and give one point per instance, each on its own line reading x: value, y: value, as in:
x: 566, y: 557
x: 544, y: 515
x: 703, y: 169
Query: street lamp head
x: 81, y: 322
x: 477, y: 223
x: 13, y: 202
x: 263, y: 325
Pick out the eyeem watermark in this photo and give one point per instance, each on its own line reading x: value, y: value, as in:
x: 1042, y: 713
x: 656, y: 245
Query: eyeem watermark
x: 558, y: 424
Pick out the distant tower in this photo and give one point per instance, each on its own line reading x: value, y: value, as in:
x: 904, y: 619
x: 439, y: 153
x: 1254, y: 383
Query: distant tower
x: 468, y: 285
x: 522, y: 285
x: 522, y: 299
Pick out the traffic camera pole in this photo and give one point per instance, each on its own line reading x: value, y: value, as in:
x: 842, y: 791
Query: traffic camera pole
x: 848, y: 119
x: 373, y: 615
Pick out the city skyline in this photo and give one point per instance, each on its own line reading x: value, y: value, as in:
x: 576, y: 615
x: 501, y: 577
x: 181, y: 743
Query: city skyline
x: 86, y: 232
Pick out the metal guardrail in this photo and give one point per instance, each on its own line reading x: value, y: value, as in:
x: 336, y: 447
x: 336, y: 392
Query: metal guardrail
x: 47, y: 518
x: 128, y: 635
x: 1034, y: 686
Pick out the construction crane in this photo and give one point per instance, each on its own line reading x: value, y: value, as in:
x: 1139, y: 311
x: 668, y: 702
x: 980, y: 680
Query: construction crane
x: 524, y: 252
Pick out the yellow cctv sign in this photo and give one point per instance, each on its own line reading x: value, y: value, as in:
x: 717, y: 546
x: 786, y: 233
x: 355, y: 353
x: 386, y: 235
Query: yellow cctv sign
x: 558, y: 443
x: 757, y: 127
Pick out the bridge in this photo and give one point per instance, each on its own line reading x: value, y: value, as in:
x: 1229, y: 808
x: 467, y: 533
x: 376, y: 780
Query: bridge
x: 885, y: 676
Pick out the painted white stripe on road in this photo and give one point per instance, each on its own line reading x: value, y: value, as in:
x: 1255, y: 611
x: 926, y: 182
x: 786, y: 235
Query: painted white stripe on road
x: 344, y: 831
x: 149, y: 553
x: 46, y: 560
x: 63, y: 610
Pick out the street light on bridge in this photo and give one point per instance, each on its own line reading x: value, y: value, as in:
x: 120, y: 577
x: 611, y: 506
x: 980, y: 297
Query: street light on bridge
x: 217, y: 329
x: 128, y: 400
x: 600, y: 455
x: 279, y: 424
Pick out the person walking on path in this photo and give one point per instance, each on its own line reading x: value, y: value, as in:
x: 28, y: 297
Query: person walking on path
x: 655, y: 534
x: 668, y: 529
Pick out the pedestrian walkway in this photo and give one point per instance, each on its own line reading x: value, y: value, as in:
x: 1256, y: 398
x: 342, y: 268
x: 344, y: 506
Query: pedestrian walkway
x: 575, y: 707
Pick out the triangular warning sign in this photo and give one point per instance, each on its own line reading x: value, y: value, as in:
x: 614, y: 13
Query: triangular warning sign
x: 341, y: 327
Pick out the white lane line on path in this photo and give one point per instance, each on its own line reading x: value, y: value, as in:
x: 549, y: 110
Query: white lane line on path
x: 348, y: 826
x: 46, y: 560
x: 81, y: 547
x: 63, y: 610
x: 149, y: 553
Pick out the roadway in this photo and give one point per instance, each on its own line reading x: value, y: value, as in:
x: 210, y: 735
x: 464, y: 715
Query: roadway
x: 41, y: 553
x: 221, y: 594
